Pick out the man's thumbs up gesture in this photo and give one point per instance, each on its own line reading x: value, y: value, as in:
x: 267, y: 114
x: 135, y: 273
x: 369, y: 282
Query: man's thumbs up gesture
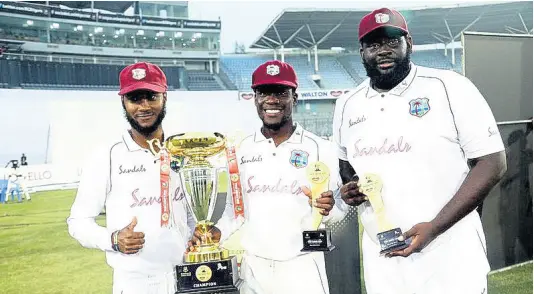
x: 130, y: 242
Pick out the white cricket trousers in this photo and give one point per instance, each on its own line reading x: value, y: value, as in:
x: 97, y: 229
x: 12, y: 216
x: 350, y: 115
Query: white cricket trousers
x: 137, y: 283
x: 302, y: 274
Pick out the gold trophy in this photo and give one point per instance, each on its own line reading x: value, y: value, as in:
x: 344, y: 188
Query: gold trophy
x: 371, y: 186
x: 318, y: 174
x: 208, y: 268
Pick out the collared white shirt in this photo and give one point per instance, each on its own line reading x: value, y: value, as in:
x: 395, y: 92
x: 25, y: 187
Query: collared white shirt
x: 125, y: 179
x: 417, y: 137
x: 276, y: 210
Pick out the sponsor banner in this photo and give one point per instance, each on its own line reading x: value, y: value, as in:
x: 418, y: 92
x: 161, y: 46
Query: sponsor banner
x: 201, y: 24
x: 109, y: 51
x: 72, y: 14
x: 24, y: 8
x: 56, y: 12
x: 161, y: 22
x: 306, y: 95
x: 38, y: 177
x: 118, y: 18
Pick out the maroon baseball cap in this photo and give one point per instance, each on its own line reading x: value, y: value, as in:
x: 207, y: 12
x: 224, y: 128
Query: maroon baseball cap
x: 380, y: 18
x: 274, y: 72
x: 142, y: 76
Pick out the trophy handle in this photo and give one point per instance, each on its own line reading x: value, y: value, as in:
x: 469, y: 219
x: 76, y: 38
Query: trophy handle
x: 151, y: 144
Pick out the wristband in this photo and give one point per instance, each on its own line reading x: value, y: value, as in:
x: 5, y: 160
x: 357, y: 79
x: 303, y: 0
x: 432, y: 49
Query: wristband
x: 115, y: 238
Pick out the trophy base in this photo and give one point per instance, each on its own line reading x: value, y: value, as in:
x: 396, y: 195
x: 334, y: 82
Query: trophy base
x: 318, y: 240
x: 222, y: 289
x: 220, y: 276
x: 206, y: 254
x: 389, y: 242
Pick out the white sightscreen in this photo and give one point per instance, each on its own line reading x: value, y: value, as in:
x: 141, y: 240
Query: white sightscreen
x: 79, y: 120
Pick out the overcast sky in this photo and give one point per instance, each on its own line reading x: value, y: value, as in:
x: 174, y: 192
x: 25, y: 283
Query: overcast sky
x: 244, y: 21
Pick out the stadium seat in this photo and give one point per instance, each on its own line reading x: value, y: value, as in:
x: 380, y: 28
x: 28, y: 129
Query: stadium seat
x: 202, y: 81
x: 336, y: 71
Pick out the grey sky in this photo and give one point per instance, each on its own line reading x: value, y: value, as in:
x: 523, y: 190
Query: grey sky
x: 244, y: 21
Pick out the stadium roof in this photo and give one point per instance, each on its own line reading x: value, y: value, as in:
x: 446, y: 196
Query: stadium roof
x: 296, y: 28
x: 112, y: 6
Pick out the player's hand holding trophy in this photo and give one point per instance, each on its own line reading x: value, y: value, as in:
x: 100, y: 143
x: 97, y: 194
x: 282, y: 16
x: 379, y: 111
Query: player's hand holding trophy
x: 388, y: 235
x: 317, y: 239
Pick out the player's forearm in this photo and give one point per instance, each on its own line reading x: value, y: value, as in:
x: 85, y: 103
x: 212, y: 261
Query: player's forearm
x: 346, y: 171
x: 89, y: 234
x: 486, y: 172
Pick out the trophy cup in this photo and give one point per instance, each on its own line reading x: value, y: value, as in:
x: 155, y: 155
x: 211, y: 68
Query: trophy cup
x: 388, y: 237
x: 317, y: 240
x: 208, y: 268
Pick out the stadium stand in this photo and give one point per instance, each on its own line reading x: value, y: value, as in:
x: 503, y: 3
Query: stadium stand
x: 336, y: 71
x: 73, y: 76
x: 333, y: 74
x: 239, y: 67
x: 304, y: 71
x: 203, y: 81
x: 186, y: 54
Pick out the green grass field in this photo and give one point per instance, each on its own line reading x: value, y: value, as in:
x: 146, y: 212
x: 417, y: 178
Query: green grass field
x: 37, y: 255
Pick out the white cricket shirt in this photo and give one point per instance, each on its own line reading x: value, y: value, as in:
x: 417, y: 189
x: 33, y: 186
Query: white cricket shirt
x: 276, y: 210
x: 418, y: 137
x: 125, y: 179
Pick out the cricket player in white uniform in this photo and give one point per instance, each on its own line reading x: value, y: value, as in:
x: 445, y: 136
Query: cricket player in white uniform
x: 143, y: 238
x: 12, y: 182
x: 417, y: 128
x: 272, y: 163
x: 19, y: 179
x: 15, y: 179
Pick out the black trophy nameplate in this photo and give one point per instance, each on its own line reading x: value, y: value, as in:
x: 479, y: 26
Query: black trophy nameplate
x: 208, y: 277
x: 318, y: 240
x: 389, y: 241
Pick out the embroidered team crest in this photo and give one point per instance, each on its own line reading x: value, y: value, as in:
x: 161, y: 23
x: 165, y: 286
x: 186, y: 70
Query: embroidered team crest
x: 273, y: 69
x: 419, y: 107
x: 381, y: 18
x: 138, y: 73
x: 299, y: 158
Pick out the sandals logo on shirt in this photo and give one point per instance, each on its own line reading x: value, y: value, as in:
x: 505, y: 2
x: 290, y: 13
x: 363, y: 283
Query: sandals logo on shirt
x: 129, y: 170
x: 299, y: 158
x: 419, y: 107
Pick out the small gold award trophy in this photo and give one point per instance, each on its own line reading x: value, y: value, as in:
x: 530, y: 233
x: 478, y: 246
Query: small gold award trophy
x: 388, y: 237
x: 317, y: 239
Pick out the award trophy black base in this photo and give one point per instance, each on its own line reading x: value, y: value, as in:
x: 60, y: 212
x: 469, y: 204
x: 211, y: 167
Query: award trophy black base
x: 220, y: 276
x: 318, y: 240
x: 389, y: 241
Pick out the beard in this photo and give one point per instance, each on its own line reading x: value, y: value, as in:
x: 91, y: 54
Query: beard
x: 276, y: 126
x: 391, y: 79
x: 146, y: 131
